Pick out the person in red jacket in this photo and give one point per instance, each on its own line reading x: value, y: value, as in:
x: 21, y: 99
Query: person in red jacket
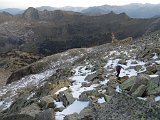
x: 118, y: 70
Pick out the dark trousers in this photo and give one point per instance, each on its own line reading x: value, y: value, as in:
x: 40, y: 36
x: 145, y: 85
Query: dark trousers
x: 117, y: 75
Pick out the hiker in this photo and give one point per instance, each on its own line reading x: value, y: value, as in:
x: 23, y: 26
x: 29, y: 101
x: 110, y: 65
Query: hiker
x: 118, y: 70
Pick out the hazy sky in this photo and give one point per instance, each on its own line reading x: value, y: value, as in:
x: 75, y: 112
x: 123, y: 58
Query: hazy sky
x: 61, y: 3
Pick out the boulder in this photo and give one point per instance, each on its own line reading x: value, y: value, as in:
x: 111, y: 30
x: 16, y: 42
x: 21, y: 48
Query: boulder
x: 155, y: 91
x: 66, y: 98
x: 18, y: 117
x: 123, y: 62
x: 139, y: 91
x: 85, y: 84
x: 142, y: 79
x: 157, y: 50
x: 86, y: 114
x: 17, y: 105
x: 47, y: 114
x: 85, y: 96
x: 47, y: 102
x: 73, y: 116
x: 31, y: 69
x: 151, y: 69
x: 158, y: 67
x: 31, y: 110
x: 126, y: 85
x: 134, y: 62
x: 91, y: 77
x: 138, y: 67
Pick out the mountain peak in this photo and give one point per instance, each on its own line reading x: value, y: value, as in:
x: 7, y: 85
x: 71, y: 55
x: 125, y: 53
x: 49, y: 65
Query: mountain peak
x: 31, y: 14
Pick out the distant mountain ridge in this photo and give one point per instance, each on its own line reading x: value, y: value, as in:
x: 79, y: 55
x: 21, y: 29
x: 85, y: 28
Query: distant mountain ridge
x: 134, y: 10
x: 66, y: 8
x: 12, y: 11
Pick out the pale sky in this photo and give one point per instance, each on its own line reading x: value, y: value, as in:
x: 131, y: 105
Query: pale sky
x: 62, y: 3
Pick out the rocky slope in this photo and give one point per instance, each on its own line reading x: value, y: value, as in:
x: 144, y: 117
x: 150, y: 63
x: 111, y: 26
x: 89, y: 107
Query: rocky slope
x: 80, y: 84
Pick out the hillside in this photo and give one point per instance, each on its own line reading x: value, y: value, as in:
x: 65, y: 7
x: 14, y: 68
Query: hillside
x: 80, y: 84
x: 47, y: 32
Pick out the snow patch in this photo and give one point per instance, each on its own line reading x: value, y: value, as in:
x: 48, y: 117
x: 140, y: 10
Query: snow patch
x: 118, y: 89
x: 155, y: 56
x: 62, y: 89
x: 58, y: 104
x: 30, y: 96
x: 157, y: 98
x: 75, y: 107
x: 158, y: 62
x: 152, y: 76
x: 142, y: 98
x: 101, y: 100
x: 77, y: 89
x: 5, y: 105
x: 104, y: 82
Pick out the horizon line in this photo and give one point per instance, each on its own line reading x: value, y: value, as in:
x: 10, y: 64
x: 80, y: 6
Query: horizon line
x: 73, y: 6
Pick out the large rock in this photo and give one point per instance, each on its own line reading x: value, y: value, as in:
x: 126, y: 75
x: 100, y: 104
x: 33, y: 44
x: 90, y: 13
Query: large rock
x: 73, y: 116
x: 66, y: 98
x: 31, y: 110
x: 18, y: 117
x: 17, y: 105
x: 31, y: 69
x: 126, y: 85
x: 140, y: 90
x: 85, y: 96
x: 47, y: 102
x: 123, y: 62
x: 151, y: 69
x: 142, y: 79
x: 47, y: 114
x: 155, y: 91
x: 153, y: 85
x: 91, y: 77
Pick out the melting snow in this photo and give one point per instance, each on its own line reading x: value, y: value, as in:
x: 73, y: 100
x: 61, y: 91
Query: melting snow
x: 104, y: 82
x: 152, y: 76
x: 157, y: 98
x: 4, y: 105
x: 75, y: 107
x: 30, y: 96
x: 155, y: 56
x: 118, y: 89
x: 31, y: 80
x: 62, y: 89
x: 77, y: 89
x: 129, y: 72
x: 158, y: 61
x: 101, y: 100
x: 58, y: 104
x: 142, y: 98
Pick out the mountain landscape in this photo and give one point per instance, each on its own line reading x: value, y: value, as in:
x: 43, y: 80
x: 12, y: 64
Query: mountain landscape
x: 47, y: 32
x: 80, y: 84
x: 133, y: 10
x: 12, y: 11
x: 60, y: 64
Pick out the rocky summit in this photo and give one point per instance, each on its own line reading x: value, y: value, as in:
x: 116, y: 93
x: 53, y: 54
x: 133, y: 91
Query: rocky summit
x: 80, y: 84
